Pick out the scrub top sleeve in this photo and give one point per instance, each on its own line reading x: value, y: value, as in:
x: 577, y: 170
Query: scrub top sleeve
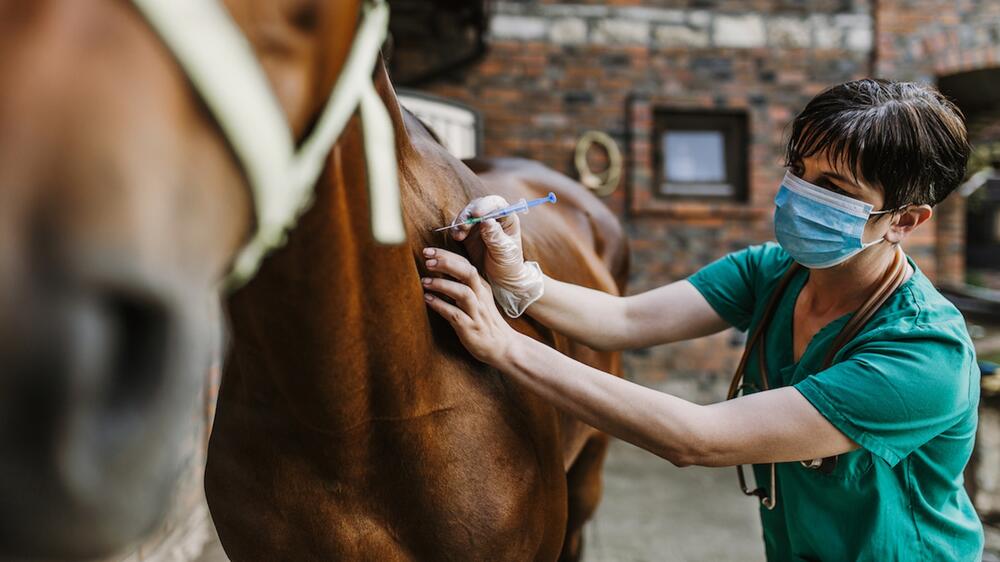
x: 895, y: 394
x: 730, y: 284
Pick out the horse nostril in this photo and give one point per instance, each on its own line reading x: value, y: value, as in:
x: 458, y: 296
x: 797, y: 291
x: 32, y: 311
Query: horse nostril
x: 139, y: 332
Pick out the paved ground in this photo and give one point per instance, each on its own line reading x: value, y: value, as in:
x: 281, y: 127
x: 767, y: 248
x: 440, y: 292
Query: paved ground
x: 653, y: 511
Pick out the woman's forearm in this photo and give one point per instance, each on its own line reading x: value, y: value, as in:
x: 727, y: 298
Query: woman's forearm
x: 774, y: 426
x: 658, y: 422
x: 593, y: 318
x: 607, y: 322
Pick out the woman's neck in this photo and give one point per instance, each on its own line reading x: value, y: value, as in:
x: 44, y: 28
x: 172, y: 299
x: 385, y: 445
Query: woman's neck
x: 843, y: 288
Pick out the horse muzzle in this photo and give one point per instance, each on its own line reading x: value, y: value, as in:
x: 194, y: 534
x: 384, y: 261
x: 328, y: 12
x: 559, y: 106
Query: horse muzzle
x: 95, y: 383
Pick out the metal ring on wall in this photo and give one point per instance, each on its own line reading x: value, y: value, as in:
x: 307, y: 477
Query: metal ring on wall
x: 605, y: 182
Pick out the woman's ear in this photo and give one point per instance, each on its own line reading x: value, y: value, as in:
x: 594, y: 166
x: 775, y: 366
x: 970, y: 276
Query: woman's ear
x: 906, y: 220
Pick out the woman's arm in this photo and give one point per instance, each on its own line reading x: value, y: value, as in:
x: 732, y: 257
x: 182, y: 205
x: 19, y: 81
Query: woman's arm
x: 602, y: 321
x: 773, y: 426
x: 599, y: 320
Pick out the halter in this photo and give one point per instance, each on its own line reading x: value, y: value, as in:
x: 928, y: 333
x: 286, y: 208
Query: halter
x: 221, y: 65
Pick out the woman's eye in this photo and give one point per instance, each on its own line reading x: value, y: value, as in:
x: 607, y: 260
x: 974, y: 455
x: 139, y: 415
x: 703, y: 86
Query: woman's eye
x: 830, y: 186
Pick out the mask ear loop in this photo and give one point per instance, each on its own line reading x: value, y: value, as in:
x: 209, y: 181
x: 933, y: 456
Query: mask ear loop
x: 865, y: 246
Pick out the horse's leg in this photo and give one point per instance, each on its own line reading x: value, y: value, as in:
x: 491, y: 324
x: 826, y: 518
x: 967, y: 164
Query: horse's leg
x: 583, y: 483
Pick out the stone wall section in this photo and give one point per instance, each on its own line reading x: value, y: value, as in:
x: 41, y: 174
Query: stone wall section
x: 579, y: 24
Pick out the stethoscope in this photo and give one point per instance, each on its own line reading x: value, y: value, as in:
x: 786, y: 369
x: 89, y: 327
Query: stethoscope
x: 891, y: 281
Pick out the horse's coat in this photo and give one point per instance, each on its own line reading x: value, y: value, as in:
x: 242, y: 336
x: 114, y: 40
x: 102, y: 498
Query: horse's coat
x: 352, y: 425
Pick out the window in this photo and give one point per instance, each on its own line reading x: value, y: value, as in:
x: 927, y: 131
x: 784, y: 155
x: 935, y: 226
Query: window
x: 701, y: 155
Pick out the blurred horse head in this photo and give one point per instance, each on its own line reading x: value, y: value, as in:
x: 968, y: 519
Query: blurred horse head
x: 122, y: 207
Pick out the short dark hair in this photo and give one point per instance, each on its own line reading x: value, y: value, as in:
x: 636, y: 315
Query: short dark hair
x: 903, y: 138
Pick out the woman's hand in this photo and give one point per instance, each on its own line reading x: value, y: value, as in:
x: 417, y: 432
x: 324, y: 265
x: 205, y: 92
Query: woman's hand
x: 501, y: 238
x: 516, y: 283
x: 474, y: 315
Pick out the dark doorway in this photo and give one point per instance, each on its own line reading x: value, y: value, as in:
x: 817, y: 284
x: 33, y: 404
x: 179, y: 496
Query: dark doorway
x: 433, y: 39
x: 977, y: 94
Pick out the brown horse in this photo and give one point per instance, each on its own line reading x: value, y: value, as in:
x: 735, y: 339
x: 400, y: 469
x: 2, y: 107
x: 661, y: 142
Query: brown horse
x: 121, y: 208
x: 351, y: 425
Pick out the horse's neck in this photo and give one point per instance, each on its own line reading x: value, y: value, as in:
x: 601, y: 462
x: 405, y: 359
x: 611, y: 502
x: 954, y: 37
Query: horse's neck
x: 334, y: 317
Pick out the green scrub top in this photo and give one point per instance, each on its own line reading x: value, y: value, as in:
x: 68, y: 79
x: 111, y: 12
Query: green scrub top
x: 905, y: 389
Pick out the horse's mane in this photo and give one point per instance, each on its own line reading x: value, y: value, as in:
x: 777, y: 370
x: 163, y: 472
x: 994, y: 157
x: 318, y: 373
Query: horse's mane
x: 426, y: 127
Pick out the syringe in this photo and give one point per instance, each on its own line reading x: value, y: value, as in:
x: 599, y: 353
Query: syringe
x: 521, y: 206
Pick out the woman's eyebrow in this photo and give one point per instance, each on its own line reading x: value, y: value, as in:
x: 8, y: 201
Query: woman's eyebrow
x: 840, y: 179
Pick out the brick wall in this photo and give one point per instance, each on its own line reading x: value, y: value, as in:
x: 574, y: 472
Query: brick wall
x: 557, y: 69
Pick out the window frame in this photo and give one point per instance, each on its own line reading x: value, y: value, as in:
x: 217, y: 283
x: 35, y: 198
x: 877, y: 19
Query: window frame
x: 640, y: 192
x: 734, y: 126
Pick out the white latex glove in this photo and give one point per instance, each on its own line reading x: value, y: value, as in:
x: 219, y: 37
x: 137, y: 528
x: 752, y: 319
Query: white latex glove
x: 516, y: 283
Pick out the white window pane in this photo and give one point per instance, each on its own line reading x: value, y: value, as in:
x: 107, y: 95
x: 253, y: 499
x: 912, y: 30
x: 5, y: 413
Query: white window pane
x: 698, y: 189
x: 694, y: 156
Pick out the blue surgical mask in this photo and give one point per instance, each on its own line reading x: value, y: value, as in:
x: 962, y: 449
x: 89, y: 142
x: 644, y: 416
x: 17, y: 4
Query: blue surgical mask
x: 817, y: 227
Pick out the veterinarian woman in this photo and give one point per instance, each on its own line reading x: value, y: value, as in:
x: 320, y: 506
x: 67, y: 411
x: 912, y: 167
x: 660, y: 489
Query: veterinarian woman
x: 859, y: 384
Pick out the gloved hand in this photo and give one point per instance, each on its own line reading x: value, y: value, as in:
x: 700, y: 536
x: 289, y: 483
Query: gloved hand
x: 515, y: 282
